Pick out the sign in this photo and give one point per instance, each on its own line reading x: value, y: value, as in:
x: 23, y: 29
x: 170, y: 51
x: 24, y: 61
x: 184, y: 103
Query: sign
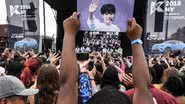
x: 105, y: 15
x: 171, y: 9
x: 24, y: 15
x: 172, y: 23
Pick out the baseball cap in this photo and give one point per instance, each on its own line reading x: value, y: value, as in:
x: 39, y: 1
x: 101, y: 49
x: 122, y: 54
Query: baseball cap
x: 12, y: 86
x: 2, y: 70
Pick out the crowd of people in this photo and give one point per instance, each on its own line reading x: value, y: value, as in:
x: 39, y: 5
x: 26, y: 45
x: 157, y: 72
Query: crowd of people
x: 105, y: 42
x: 59, y: 78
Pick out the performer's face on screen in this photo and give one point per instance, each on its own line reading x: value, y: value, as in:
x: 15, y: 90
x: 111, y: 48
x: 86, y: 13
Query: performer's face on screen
x: 108, y: 12
x: 108, y: 18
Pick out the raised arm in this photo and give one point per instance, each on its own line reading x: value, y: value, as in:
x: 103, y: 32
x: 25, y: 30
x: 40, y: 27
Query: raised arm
x: 140, y: 69
x: 102, y: 62
x: 92, y: 8
x: 69, y: 67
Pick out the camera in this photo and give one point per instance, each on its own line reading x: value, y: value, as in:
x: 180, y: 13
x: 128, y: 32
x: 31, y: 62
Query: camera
x: 82, y: 56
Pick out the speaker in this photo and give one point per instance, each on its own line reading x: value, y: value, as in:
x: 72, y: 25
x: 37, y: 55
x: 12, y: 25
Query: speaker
x: 159, y: 19
x: 46, y: 44
x: 125, y: 45
x: 30, y: 15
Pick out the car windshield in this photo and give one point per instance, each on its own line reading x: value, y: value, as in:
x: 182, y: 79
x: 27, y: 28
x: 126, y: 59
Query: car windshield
x: 173, y: 42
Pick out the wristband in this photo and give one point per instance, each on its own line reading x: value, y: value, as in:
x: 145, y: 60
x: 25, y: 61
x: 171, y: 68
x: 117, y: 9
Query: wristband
x: 137, y: 41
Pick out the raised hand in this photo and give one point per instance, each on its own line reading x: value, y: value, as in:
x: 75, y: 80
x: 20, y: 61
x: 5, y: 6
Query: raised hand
x: 93, y: 6
x: 83, y: 65
x: 128, y: 80
x: 72, y: 24
x: 134, y: 31
x: 92, y: 73
x: 54, y: 58
x: 6, y: 50
x: 100, y: 56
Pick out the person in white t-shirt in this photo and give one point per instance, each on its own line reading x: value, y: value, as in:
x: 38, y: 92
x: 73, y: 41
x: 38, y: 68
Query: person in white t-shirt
x: 108, y: 13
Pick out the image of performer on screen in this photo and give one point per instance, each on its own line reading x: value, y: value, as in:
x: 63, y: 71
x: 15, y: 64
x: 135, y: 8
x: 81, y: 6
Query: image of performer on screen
x: 108, y: 12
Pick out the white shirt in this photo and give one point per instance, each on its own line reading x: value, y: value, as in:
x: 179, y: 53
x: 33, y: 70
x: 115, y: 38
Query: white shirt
x: 87, y: 49
x: 96, y: 25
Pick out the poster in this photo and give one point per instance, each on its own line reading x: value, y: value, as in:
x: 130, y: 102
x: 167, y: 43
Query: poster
x: 165, y: 26
x: 24, y: 24
x: 105, y: 15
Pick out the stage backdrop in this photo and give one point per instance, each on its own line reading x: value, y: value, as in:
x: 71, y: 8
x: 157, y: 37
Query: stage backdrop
x: 123, y: 11
x: 165, y: 26
x: 24, y: 30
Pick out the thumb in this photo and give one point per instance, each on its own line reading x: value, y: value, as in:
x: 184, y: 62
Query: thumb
x: 75, y: 14
x: 129, y: 24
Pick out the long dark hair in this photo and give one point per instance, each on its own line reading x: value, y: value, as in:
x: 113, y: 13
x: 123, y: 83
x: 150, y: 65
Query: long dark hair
x: 48, y: 84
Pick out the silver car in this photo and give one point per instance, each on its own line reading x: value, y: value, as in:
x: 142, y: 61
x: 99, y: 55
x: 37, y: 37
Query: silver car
x: 170, y: 45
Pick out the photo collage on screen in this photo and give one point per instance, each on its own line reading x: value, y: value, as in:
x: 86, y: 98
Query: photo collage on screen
x: 103, y: 42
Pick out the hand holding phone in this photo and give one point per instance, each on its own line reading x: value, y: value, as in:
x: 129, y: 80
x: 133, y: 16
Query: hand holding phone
x: 82, y: 56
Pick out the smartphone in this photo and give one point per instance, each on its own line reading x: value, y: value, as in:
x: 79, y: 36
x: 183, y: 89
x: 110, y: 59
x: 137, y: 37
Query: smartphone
x: 82, y: 56
x: 10, y: 50
x: 90, y: 65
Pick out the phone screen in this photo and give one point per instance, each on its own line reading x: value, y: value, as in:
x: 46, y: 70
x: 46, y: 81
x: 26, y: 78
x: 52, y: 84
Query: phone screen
x: 82, y: 56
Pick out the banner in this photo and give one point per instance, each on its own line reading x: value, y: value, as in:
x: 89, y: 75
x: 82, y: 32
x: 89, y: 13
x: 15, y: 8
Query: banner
x: 165, y: 26
x: 23, y: 18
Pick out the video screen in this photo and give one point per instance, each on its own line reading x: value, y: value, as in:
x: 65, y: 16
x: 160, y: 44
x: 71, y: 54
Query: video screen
x: 105, y: 15
x: 103, y: 42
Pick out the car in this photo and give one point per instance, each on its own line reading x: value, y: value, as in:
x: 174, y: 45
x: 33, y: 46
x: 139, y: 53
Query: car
x: 170, y: 45
x: 26, y: 43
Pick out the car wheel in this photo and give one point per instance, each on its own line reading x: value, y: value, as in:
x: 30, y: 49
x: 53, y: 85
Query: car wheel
x: 167, y: 50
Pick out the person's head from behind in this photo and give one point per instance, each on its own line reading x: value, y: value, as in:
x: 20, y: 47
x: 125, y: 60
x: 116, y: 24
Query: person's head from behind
x: 110, y: 78
x: 107, y: 59
x: 164, y: 65
x: 182, y: 71
x: 174, y: 86
x: 99, y: 72
x: 48, y: 84
x: 109, y: 95
x: 12, y: 91
x: 43, y: 59
x: 28, y: 76
x: 15, y: 69
x: 152, y: 75
x: 159, y: 70
x: 183, y: 80
x: 169, y: 73
x: 108, y: 12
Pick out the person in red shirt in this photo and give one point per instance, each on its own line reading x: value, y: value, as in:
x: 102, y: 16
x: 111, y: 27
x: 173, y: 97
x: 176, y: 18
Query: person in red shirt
x: 160, y: 96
